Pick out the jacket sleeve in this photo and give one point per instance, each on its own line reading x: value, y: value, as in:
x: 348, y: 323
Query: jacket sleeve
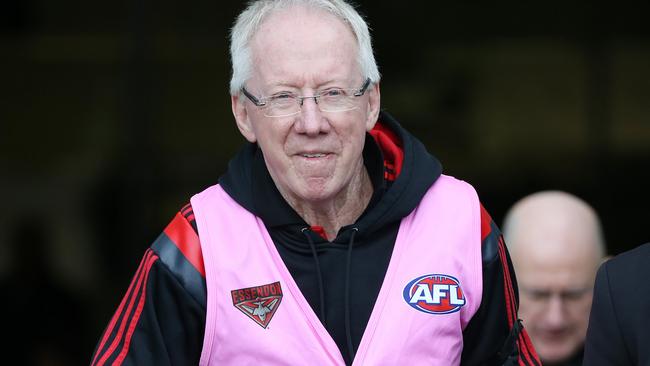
x: 161, y: 319
x: 605, y: 341
x: 495, y: 335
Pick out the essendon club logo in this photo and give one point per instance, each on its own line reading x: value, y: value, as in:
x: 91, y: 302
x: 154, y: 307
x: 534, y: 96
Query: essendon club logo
x: 435, y: 294
x: 259, y: 302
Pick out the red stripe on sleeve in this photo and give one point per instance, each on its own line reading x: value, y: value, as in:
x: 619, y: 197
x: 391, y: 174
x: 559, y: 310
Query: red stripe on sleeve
x: 486, y: 222
x: 186, y: 208
x: 509, y: 292
x: 118, y: 312
x: 524, y: 355
x: 120, y: 332
x: 138, y: 311
x: 527, y: 354
x: 185, y: 238
x: 527, y: 349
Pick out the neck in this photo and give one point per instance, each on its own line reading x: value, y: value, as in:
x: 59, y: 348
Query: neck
x: 343, y: 209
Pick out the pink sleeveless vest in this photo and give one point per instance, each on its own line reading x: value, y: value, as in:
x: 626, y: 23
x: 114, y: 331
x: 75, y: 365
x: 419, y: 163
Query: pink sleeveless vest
x: 256, y: 315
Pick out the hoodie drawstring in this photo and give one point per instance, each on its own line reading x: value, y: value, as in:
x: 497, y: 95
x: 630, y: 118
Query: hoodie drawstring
x: 319, y: 275
x: 321, y: 290
x: 348, y: 266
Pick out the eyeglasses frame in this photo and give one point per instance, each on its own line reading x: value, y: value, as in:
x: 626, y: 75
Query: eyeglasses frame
x: 261, y: 103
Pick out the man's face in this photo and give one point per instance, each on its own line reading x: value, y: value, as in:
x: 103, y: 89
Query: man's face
x: 312, y: 156
x: 555, y: 301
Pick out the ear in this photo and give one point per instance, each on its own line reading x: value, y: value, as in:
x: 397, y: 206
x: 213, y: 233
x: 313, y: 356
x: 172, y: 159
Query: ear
x: 242, y: 118
x: 374, y: 98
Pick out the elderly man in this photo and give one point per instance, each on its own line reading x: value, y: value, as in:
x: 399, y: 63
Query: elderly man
x: 333, y: 237
x: 556, y: 244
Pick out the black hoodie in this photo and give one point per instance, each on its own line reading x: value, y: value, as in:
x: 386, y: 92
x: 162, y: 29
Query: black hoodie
x: 339, y: 277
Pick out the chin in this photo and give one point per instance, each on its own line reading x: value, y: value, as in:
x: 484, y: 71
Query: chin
x: 315, y: 190
x: 312, y: 195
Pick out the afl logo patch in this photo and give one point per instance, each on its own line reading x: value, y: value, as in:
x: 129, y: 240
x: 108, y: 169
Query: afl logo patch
x: 435, y: 294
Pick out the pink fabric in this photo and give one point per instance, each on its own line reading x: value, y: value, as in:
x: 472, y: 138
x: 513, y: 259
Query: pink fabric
x: 441, y: 236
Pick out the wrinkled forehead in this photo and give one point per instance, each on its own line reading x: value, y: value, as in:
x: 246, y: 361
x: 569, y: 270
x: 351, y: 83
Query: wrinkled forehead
x: 304, y: 42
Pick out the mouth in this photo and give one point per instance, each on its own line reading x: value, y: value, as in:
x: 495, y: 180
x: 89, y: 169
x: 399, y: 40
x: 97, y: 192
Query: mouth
x: 313, y: 155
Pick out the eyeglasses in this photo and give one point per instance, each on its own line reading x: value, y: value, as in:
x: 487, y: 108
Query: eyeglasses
x: 286, y: 104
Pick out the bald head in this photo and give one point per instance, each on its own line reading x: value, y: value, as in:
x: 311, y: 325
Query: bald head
x: 556, y: 243
x: 555, y: 224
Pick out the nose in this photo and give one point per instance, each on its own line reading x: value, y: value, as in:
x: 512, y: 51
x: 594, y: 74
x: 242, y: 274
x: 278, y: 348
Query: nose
x: 311, y: 120
x: 555, y: 313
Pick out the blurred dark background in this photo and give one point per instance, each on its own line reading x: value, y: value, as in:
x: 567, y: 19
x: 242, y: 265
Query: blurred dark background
x: 114, y: 113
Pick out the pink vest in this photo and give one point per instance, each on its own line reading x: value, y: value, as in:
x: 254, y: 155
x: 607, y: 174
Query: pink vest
x: 256, y: 315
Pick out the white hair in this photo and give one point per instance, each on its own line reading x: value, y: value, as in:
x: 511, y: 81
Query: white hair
x: 249, y: 20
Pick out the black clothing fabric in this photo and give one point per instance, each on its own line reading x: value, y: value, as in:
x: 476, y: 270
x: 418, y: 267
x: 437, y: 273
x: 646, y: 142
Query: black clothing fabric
x: 619, y: 323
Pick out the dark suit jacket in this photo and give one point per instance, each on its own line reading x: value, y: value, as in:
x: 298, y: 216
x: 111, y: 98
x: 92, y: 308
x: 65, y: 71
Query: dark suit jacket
x: 619, y: 324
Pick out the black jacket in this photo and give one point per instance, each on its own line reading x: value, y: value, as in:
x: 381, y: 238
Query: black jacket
x: 619, y: 323
x: 170, y: 327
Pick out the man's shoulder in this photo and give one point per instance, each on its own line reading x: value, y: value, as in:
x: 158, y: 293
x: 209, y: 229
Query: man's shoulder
x: 630, y: 266
x: 623, y: 281
x: 451, y: 181
x: 179, y: 249
x: 637, y: 256
x: 622, y: 297
x: 452, y: 191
